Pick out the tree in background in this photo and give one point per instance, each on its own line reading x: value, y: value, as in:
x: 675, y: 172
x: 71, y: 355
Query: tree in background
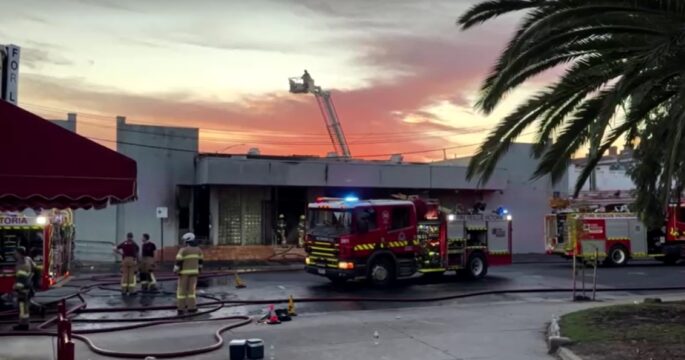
x: 624, y: 80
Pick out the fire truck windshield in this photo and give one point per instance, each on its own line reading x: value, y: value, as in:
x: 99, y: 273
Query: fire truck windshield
x: 325, y: 222
x: 31, y: 239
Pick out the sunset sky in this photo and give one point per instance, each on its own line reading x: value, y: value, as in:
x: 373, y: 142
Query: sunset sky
x: 404, y: 77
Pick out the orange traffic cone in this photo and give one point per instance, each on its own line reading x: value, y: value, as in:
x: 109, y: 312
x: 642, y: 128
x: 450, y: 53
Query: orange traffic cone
x: 291, y: 306
x: 239, y: 284
x: 273, y: 318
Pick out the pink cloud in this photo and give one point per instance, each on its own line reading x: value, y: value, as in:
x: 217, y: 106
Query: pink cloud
x: 436, y: 70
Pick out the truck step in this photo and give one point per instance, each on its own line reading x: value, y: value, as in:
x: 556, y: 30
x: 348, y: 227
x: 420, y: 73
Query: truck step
x: 406, y: 267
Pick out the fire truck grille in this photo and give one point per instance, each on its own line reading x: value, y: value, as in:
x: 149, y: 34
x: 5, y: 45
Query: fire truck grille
x: 323, y: 254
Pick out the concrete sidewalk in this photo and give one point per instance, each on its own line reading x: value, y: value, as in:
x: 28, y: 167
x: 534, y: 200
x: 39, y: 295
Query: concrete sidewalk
x: 499, y: 330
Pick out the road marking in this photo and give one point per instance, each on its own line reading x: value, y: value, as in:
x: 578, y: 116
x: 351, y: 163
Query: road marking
x: 281, y: 287
x: 637, y: 273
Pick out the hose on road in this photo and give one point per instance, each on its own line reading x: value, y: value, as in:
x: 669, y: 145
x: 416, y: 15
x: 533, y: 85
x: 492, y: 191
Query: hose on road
x: 214, y: 304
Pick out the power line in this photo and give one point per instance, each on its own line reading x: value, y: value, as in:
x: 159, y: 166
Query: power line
x: 360, y: 156
x: 399, y: 136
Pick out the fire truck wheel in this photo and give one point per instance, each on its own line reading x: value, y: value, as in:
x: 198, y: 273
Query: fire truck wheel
x: 381, y: 272
x: 476, y: 267
x: 618, y: 256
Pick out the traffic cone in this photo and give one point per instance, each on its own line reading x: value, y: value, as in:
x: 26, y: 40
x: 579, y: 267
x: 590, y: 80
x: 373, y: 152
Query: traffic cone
x: 273, y: 318
x: 291, y: 306
x: 239, y: 284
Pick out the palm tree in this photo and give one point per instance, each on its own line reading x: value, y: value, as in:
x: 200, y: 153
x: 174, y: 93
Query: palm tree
x: 624, y: 79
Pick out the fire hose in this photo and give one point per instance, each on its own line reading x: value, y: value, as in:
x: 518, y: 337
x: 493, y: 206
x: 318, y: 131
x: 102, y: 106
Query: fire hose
x: 217, y: 304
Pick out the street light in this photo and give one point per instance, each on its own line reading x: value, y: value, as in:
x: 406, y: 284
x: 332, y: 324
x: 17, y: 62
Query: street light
x: 230, y: 146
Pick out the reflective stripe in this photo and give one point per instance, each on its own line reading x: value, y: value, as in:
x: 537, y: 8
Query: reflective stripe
x: 189, y: 272
x: 180, y: 297
x: 23, y: 310
x: 191, y: 256
x: 22, y: 273
x: 191, y: 296
x: 179, y: 256
x: 154, y: 281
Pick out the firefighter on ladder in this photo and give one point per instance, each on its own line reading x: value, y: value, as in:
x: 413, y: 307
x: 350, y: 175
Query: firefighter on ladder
x: 129, y: 261
x: 23, y: 286
x: 147, y: 264
x: 188, y: 267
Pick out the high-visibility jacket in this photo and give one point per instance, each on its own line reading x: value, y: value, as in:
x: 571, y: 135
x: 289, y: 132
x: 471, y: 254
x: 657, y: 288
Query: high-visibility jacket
x: 23, y: 275
x: 188, y: 261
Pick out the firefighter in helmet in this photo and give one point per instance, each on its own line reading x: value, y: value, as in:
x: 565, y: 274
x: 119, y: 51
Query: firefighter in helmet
x: 23, y: 286
x: 301, y: 230
x: 129, y: 264
x: 280, y: 229
x: 188, y: 267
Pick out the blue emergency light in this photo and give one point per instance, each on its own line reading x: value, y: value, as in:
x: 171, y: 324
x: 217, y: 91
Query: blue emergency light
x: 351, y: 198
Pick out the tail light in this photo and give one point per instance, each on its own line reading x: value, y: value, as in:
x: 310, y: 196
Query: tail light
x: 344, y: 248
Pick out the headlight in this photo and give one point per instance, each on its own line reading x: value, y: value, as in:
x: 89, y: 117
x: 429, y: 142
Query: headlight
x: 307, y: 260
x: 508, y: 217
x: 41, y: 220
x: 451, y: 217
x: 346, y: 265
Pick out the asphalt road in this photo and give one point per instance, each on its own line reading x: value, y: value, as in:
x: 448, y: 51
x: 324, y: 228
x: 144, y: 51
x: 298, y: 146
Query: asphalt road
x: 280, y: 285
x: 331, y: 327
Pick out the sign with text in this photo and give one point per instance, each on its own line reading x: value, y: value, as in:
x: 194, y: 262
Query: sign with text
x: 10, y: 74
x: 162, y: 212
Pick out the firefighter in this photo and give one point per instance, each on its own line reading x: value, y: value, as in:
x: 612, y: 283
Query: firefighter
x: 188, y: 267
x: 301, y: 229
x: 307, y: 81
x: 23, y: 286
x: 129, y: 261
x: 280, y: 229
x: 147, y: 264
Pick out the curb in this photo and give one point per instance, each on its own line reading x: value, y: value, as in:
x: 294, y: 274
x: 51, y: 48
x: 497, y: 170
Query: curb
x: 556, y: 343
x: 565, y: 354
x: 554, y: 339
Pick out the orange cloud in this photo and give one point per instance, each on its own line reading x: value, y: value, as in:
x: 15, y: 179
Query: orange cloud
x: 432, y: 71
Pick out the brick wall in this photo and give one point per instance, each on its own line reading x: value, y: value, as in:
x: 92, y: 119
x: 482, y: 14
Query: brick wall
x: 232, y: 253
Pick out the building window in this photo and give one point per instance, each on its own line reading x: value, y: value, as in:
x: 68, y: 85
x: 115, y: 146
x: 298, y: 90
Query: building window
x: 399, y: 218
x: 241, y: 216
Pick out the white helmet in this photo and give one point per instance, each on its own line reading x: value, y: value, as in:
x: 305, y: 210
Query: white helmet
x: 188, y: 237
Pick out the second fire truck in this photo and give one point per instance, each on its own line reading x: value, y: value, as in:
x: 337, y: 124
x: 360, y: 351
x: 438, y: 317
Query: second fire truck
x: 604, y: 228
x: 382, y: 240
x: 48, y: 237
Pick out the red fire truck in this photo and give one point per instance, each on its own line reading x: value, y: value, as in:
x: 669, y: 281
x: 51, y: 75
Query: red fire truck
x: 382, y: 240
x: 48, y: 237
x: 594, y: 226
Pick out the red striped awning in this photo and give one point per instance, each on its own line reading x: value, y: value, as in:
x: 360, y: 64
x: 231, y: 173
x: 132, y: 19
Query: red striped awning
x: 45, y: 166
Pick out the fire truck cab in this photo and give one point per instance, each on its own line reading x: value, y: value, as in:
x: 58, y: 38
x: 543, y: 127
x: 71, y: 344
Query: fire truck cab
x: 382, y: 240
x: 48, y: 238
x: 613, y: 234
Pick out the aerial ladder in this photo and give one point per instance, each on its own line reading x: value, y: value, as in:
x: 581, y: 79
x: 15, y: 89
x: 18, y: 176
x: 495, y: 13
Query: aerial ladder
x: 305, y: 85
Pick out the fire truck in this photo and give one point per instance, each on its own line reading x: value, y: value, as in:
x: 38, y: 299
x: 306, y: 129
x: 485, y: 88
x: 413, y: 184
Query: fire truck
x: 48, y: 237
x: 605, y: 228
x: 382, y: 240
